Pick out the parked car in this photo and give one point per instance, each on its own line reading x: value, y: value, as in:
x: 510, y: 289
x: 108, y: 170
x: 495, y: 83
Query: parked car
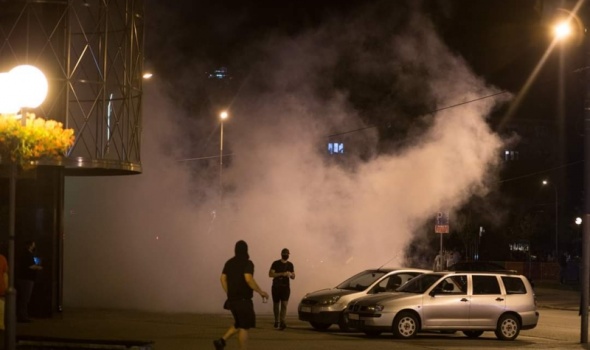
x: 326, y: 307
x: 471, y: 302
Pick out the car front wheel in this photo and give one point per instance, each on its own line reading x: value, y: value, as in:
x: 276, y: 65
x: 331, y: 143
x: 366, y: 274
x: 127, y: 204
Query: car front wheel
x: 508, y: 327
x: 473, y: 334
x: 405, y: 325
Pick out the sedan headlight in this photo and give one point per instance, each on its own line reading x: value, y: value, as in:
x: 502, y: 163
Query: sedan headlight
x: 329, y: 301
x: 375, y: 308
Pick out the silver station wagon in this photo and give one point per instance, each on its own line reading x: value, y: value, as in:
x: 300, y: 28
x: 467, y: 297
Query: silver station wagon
x: 326, y: 307
x: 471, y: 302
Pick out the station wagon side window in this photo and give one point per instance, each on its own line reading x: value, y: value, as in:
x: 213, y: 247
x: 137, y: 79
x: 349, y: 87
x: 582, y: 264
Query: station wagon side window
x: 452, y: 285
x: 483, y: 285
x: 513, y: 285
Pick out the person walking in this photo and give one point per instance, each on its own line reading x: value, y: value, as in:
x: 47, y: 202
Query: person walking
x: 281, y: 271
x: 26, y: 274
x: 237, y: 280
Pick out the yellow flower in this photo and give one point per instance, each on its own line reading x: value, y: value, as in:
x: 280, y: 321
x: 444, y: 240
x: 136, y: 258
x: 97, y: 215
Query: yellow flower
x: 35, y: 140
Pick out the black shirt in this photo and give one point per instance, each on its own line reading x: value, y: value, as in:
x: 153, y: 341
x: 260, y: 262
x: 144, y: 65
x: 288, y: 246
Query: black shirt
x: 234, y: 269
x: 279, y: 267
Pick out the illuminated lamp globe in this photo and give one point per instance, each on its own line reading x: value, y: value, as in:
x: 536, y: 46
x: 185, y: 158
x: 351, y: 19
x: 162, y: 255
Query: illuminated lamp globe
x: 8, y: 104
x: 30, y: 86
x: 563, y: 30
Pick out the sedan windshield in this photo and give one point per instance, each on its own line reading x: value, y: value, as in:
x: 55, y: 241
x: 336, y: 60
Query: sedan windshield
x: 419, y: 284
x: 361, y: 281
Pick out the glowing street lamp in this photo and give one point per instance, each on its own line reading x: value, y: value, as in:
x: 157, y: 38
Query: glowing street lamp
x: 23, y: 87
x: 222, y: 116
x: 30, y: 86
x: 562, y: 30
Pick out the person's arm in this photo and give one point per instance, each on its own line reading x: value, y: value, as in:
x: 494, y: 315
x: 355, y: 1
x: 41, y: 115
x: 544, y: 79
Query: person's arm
x: 292, y: 272
x: 252, y: 283
x: 224, y: 282
x: 273, y: 274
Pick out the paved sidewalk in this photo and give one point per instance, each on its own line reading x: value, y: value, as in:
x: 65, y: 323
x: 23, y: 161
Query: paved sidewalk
x: 565, y: 299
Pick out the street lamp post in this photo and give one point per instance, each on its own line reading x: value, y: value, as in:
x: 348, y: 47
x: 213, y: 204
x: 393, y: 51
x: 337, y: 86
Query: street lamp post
x: 586, y: 219
x: 561, y: 31
x: 222, y: 116
x: 27, y: 88
x: 545, y: 183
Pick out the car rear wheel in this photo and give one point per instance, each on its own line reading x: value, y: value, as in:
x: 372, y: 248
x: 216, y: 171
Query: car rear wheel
x: 473, y: 334
x: 508, y: 327
x: 319, y: 326
x: 405, y: 325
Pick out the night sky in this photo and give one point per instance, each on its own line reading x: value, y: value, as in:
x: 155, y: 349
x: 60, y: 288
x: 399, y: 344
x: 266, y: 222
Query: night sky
x: 501, y: 41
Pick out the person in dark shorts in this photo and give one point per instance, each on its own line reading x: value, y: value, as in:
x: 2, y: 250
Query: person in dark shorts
x: 281, y: 272
x: 237, y: 280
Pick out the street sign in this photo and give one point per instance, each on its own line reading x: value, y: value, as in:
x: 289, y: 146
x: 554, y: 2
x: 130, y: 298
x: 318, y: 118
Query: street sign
x: 441, y: 223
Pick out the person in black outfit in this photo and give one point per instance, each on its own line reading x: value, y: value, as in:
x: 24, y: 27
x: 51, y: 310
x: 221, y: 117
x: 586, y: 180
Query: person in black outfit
x: 281, y: 271
x: 26, y: 273
x: 237, y: 280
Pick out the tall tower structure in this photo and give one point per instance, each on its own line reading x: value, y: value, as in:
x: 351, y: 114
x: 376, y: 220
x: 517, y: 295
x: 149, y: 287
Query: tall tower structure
x: 91, y: 52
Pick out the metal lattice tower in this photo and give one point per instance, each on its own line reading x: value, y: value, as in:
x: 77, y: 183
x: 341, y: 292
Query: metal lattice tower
x: 92, y: 54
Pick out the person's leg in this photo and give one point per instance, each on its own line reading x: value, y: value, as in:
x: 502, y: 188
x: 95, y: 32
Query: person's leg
x: 285, y: 294
x: 23, y: 296
x: 220, y: 343
x: 276, y: 311
x: 276, y: 299
x: 243, y: 338
x: 284, y: 304
x: 230, y: 332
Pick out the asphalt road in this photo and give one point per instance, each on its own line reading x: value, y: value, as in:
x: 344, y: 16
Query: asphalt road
x: 558, y: 328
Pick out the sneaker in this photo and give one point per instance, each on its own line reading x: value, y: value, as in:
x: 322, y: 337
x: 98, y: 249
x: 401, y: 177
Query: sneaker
x: 282, y: 326
x: 276, y: 324
x: 219, y: 344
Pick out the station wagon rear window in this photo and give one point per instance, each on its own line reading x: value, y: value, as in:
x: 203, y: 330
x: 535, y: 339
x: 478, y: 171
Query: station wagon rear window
x: 513, y: 285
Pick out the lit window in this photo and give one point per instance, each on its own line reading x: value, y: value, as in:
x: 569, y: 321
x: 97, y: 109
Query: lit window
x: 511, y: 155
x: 335, y: 148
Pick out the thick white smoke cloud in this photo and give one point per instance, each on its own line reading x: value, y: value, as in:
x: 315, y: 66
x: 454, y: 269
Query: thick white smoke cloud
x: 147, y: 242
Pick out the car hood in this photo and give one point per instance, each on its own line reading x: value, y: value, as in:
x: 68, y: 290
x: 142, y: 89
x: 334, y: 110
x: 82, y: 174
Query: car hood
x: 329, y: 292
x: 382, y: 297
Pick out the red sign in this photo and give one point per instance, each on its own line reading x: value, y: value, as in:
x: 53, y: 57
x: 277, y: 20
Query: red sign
x: 441, y: 224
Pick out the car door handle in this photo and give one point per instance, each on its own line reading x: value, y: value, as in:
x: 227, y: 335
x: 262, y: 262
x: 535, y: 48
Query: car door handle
x: 464, y: 300
x: 499, y: 299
